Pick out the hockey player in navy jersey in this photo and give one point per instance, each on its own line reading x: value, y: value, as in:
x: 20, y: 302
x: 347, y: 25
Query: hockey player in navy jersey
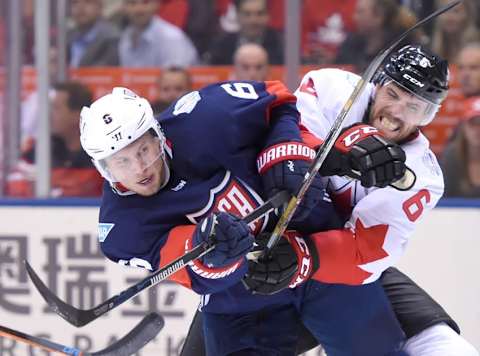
x: 190, y: 176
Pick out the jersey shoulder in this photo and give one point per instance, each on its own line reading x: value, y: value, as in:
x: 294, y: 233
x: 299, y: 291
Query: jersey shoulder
x: 424, y: 163
x: 125, y: 234
x: 323, y: 94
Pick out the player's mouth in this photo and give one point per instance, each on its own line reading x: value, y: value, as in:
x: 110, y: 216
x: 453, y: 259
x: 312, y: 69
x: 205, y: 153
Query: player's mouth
x: 146, y: 181
x: 389, y: 123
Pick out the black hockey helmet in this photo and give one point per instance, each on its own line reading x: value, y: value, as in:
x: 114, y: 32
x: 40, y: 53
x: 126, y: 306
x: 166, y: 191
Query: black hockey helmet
x: 419, y: 71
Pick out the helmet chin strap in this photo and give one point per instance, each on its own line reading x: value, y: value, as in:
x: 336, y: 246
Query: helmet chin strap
x: 165, y: 171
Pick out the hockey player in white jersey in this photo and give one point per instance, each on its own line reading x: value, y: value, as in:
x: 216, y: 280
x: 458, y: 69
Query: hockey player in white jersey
x: 404, y: 96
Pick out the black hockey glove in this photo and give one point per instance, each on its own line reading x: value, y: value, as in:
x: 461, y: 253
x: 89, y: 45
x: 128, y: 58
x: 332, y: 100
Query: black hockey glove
x: 361, y: 152
x: 290, y: 263
x: 283, y: 167
x: 232, y: 237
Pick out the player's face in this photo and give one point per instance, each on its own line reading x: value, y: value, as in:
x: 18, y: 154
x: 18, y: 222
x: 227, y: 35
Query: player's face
x: 172, y: 86
x: 396, y: 112
x: 139, y: 167
x: 468, y: 69
x: 252, y: 67
x: 140, y: 12
x: 253, y: 18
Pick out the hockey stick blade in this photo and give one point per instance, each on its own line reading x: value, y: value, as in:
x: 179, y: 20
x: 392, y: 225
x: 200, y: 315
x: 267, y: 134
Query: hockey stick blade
x: 334, y: 132
x: 81, y: 317
x: 131, y: 343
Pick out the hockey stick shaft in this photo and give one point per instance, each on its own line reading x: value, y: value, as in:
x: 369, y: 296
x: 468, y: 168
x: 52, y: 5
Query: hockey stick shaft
x: 81, y: 317
x: 138, y: 337
x: 41, y: 343
x: 334, y: 132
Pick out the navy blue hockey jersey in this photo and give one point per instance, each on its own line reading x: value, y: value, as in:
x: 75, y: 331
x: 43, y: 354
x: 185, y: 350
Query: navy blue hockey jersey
x: 214, y: 136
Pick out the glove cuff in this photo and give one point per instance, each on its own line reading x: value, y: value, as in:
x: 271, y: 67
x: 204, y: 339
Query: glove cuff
x: 282, y: 152
x: 307, y: 257
x: 211, y: 272
x: 353, y: 135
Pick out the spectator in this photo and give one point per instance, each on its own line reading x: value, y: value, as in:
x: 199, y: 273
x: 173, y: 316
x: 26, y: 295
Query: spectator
x: 454, y: 28
x: 468, y: 69
x: 378, y: 23
x: 175, y: 11
x: 172, y: 83
x: 250, y: 62
x: 253, y: 19
x: 72, y: 170
x: 225, y: 10
x: 202, y: 24
x: 325, y: 25
x: 93, y: 41
x: 149, y: 41
x: 461, y: 158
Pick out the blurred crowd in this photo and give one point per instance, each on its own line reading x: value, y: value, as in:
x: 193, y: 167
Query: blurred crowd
x: 248, y: 35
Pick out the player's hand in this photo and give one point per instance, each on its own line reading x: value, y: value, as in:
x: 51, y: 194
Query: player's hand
x: 287, y: 174
x: 289, y: 264
x: 361, y: 152
x: 232, y: 238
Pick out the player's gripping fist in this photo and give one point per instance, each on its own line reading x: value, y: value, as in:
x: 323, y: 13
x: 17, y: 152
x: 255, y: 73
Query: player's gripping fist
x: 282, y: 167
x: 232, y: 238
x: 361, y: 152
x: 290, y: 263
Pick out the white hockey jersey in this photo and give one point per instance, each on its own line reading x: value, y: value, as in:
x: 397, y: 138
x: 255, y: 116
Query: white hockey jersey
x: 382, y: 219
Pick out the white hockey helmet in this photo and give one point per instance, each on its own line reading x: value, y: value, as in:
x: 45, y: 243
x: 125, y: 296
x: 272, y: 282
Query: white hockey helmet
x: 114, y: 121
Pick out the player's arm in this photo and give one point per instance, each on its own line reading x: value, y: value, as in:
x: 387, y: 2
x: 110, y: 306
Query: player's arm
x: 128, y: 242
x: 372, y: 240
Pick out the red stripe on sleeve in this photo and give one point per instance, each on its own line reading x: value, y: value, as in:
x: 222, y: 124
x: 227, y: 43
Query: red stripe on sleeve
x: 282, y: 93
x: 342, y: 251
x: 309, y: 138
x: 174, y: 248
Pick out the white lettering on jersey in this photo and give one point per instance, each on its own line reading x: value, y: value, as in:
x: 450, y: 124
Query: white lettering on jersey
x: 241, y: 90
x: 187, y: 103
x: 234, y: 199
x: 232, y: 196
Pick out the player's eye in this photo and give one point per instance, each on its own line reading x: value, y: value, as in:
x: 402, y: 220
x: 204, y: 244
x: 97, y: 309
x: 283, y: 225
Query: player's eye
x: 392, y: 94
x: 122, y: 162
x: 413, y: 108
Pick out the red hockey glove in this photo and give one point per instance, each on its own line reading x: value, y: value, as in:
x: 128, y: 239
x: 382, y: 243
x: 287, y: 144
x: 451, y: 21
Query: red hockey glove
x: 361, y: 152
x: 292, y: 262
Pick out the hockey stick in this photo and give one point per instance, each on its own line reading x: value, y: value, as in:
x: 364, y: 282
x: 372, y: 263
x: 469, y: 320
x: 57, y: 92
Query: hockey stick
x: 336, y: 128
x: 138, y: 337
x: 81, y: 317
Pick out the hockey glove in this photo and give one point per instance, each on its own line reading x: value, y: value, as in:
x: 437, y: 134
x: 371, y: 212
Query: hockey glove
x: 232, y: 238
x: 290, y: 263
x: 283, y: 167
x: 361, y: 152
